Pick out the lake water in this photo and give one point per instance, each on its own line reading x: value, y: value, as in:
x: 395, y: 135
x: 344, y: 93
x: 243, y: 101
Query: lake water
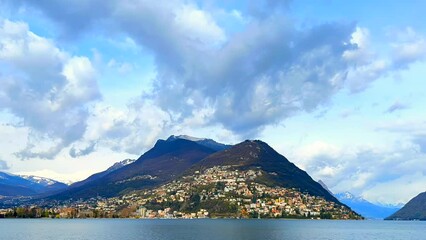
x: 132, y: 229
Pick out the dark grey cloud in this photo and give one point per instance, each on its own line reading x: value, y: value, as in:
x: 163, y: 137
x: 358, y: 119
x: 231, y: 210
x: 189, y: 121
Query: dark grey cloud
x: 78, y: 152
x: 263, y: 75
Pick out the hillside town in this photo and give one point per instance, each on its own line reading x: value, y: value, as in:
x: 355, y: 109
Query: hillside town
x: 217, y: 192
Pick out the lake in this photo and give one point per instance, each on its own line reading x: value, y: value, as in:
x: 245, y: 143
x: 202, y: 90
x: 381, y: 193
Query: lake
x: 133, y: 229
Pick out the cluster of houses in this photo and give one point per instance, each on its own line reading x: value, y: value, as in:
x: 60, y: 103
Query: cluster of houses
x: 238, y: 188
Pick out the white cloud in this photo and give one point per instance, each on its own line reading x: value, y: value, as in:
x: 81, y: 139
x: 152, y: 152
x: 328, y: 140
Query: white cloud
x: 409, y: 47
x: 367, y: 64
x: 405, y: 126
x: 369, y: 171
x: 132, y: 130
x: 44, y: 87
x: 362, y: 53
x: 198, y: 25
x: 407, y: 187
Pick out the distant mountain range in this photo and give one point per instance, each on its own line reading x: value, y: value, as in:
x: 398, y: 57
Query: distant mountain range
x: 415, y: 209
x: 360, y: 205
x: 22, y: 185
x: 364, y: 207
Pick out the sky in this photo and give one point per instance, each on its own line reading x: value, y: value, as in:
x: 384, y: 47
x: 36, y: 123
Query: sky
x: 338, y: 87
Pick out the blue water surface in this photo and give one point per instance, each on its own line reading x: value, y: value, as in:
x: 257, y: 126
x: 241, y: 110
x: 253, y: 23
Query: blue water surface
x: 214, y: 229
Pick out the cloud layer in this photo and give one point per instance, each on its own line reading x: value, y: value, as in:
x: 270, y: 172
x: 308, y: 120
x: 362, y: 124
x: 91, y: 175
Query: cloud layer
x: 263, y: 74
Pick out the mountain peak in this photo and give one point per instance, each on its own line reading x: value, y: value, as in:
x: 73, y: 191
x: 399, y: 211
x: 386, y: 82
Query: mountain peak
x: 39, y: 180
x: 120, y: 164
x: 206, y: 142
x: 348, y: 196
x: 255, y: 154
x: 186, y: 137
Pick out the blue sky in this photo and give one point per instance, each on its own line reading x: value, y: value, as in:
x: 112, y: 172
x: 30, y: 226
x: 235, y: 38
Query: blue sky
x: 335, y: 86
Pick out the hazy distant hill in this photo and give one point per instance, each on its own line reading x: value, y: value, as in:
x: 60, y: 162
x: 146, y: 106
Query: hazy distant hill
x: 14, y: 185
x: 415, y: 209
x: 364, y: 207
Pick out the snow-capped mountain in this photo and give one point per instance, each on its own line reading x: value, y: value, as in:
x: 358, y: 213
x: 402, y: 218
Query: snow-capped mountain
x: 15, y: 185
x: 186, y: 137
x: 349, y: 196
x: 39, y: 180
x: 120, y: 164
x: 364, y: 207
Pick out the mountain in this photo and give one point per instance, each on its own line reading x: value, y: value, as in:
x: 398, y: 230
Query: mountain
x: 210, y: 143
x: 183, y: 175
x: 177, y: 157
x: 165, y: 161
x: 248, y: 180
x: 415, y: 209
x: 99, y: 175
x: 14, y: 185
x: 259, y: 155
x: 364, y: 207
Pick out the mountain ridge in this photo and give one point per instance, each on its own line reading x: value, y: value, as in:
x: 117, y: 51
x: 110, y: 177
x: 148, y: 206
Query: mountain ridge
x: 415, y: 209
x: 27, y: 185
x: 98, y: 175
